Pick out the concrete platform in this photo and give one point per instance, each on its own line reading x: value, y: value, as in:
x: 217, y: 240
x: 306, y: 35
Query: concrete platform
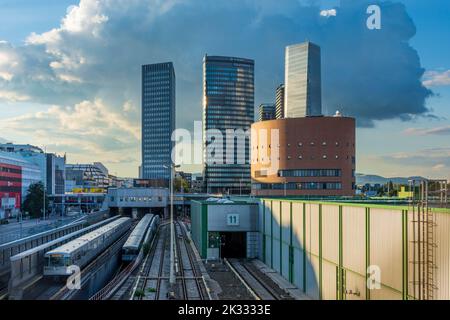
x: 295, y: 292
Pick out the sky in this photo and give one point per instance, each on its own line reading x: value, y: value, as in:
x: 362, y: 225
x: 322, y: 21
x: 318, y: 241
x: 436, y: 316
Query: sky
x: 70, y: 71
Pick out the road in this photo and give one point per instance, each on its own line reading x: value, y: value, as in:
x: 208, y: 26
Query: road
x: 13, y: 230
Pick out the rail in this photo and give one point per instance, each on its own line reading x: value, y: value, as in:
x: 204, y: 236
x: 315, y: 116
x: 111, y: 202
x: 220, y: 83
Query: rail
x: 196, y: 273
x: 237, y: 274
x: 142, y: 279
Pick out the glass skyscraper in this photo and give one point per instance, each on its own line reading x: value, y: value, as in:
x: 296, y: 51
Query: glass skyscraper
x: 228, y: 104
x: 158, y: 119
x: 303, y: 93
x: 266, y: 112
x: 279, y: 102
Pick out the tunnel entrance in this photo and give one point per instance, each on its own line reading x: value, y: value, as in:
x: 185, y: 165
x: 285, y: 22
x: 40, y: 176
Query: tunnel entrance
x: 234, y: 245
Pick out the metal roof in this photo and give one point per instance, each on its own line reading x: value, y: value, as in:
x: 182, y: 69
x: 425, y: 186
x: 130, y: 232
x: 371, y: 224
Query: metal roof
x: 138, y: 233
x: 49, y: 244
x: 79, y: 242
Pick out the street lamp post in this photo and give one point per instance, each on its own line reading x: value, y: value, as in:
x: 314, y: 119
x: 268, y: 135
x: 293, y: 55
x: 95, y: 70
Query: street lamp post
x: 45, y: 179
x: 43, y: 208
x: 172, y: 233
x: 20, y: 219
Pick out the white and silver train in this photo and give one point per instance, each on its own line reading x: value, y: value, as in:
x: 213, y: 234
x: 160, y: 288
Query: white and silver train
x: 81, y: 251
x: 143, y: 233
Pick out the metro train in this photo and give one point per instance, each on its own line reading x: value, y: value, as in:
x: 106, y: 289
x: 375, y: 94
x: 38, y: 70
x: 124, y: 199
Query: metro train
x: 143, y: 233
x: 81, y: 251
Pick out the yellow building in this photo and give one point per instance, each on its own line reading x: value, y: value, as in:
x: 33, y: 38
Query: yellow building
x: 403, y: 194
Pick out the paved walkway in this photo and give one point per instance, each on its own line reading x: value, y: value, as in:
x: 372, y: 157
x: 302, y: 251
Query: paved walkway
x: 293, y: 291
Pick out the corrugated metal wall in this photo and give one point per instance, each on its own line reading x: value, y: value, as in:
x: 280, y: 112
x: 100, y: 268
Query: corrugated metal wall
x: 443, y: 256
x: 197, y: 227
x: 325, y: 249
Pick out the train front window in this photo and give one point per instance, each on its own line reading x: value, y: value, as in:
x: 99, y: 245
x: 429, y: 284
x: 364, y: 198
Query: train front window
x: 56, y: 261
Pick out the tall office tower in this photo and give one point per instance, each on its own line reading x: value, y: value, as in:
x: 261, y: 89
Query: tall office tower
x: 158, y: 119
x: 279, y: 102
x: 266, y: 111
x: 303, y: 96
x: 228, y: 104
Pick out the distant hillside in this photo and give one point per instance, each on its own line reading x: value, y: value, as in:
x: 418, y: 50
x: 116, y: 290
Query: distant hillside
x: 362, y: 179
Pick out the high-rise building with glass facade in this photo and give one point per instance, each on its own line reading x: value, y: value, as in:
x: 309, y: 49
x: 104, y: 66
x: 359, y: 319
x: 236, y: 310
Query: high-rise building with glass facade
x: 228, y: 105
x: 158, y: 119
x: 266, y: 111
x: 279, y: 102
x: 303, y: 93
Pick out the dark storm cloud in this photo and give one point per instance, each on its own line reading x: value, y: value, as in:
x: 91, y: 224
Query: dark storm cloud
x: 369, y: 74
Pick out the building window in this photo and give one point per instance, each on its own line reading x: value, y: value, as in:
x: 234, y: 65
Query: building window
x: 298, y: 186
x: 310, y: 173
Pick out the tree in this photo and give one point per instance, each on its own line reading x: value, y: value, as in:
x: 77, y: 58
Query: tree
x: 34, y: 200
x: 391, y: 189
x: 181, y: 182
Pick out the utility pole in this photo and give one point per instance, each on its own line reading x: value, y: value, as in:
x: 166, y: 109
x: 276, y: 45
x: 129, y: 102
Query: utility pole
x: 20, y: 219
x: 172, y: 167
x: 172, y: 262
x: 45, y: 179
x: 240, y: 185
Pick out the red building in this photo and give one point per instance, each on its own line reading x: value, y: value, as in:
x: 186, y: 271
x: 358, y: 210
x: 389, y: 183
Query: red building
x: 312, y: 156
x: 10, y: 188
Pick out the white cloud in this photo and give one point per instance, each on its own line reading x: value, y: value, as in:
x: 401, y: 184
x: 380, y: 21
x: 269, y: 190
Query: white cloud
x: 13, y: 96
x: 443, y: 130
x: 438, y: 167
x: 6, y: 75
x: 89, y: 131
x: 328, y: 13
x: 89, y: 65
x: 69, y: 78
x: 436, y: 78
x: 9, y: 61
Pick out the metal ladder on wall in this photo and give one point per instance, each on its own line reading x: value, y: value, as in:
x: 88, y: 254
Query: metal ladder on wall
x: 431, y: 193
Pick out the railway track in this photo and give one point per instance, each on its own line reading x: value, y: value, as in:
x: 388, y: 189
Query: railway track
x: 119, y: 280
x: 3, y: 292
x: 148, y: 284
x: 153, y: 280
x: 190, y: 275
x: 194, y: 273
x: 255, y: 282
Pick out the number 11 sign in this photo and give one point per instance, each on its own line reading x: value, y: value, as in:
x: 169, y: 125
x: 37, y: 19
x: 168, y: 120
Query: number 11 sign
x: 233, y: 219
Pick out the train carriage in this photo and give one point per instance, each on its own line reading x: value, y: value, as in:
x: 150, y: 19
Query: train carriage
x: 81, y: 251
x: 144, y: 232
